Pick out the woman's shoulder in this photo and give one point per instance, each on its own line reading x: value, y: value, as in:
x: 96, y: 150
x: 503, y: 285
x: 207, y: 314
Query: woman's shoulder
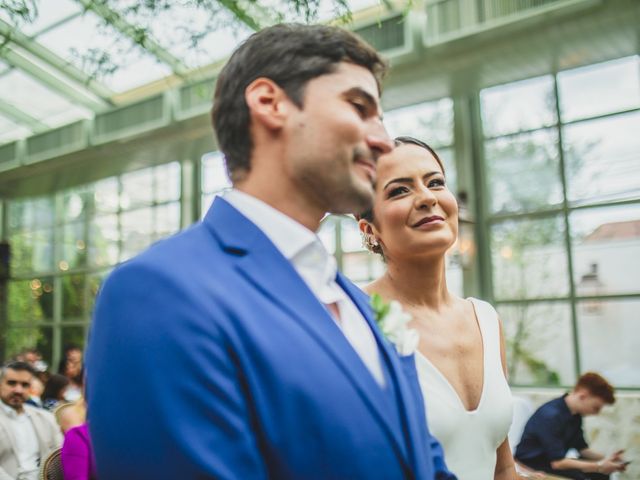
x: 482, y: 307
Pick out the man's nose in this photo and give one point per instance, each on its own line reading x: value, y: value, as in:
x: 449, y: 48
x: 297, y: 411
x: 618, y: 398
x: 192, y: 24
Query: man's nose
x: 379, y: 140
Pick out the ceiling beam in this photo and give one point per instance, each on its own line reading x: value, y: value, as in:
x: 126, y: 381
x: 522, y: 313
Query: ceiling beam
x: 70, y: 90
x: 241, y: 13
x: 114, y: 19
x: 18, y: 116
x: 13, y: 35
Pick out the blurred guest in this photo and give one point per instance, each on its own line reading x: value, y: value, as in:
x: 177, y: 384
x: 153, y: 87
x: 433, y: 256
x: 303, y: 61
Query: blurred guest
x: 72, y: 368
x: 556, y: 427
x: 54, y: 391
x: 35, y: 392
x: 34, y: 358
x: 71, y: 415
x: 27, y: 434
x: 77, y: 454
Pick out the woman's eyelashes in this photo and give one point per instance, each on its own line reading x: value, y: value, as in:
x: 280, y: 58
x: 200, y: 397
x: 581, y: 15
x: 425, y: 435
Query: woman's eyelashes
x: 435, y: 183
x: 396, y: 191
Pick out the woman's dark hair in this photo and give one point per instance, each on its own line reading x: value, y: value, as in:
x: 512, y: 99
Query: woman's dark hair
x: 406, y: 140
x: 290, y: 55
x: 54, y: 387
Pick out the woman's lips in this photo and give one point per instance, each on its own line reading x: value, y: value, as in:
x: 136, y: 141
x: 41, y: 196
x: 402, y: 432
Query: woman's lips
x: 428, y: 220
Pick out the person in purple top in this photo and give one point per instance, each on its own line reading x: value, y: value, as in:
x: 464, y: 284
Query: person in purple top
x: 77, y: 454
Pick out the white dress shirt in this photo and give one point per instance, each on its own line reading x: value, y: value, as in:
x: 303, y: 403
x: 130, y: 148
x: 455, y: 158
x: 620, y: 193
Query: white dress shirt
x: 27, y: 446
x: 318, y: 269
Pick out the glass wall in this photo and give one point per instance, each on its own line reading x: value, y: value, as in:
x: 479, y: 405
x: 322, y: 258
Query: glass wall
x: 62, y: 247
x: 562, y: 155
x: 558, y: 209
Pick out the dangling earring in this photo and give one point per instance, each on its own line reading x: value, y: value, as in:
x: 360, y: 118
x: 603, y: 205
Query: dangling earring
x: 369, y: 241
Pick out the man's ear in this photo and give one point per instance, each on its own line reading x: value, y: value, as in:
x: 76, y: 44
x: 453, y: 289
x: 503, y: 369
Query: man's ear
x: 268, y: 103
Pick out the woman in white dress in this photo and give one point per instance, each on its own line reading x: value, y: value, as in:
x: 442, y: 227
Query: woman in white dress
x: 460, y: 358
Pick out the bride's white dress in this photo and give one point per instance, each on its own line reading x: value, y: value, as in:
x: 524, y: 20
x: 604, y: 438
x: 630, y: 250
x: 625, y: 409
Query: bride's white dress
x: 470, y: 438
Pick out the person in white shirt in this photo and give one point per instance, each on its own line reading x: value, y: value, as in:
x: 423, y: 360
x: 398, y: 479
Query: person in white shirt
x: 27, y: 434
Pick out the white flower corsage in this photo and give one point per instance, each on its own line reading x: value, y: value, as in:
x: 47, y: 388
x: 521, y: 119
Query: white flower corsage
x: 392, y: 320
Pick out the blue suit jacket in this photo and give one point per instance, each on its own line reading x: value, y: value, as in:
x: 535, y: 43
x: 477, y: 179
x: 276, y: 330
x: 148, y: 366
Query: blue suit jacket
x: 209, y: 357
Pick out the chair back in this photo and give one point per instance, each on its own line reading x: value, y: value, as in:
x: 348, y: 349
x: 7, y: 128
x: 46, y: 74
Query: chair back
x: 51, y: 468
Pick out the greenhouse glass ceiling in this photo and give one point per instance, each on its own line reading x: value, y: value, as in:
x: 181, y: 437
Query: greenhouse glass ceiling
x: 76, y: 58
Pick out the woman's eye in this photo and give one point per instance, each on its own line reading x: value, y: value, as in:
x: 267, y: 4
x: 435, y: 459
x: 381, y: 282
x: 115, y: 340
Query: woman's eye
x: 397, y: 191
x: 437, y: 182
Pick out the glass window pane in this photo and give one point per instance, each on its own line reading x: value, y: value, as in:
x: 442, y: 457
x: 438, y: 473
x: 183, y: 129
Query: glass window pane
x: 167, y: 182
x: 88, y: 42
x: 606, y: 250
x: 351, y: 238
x: 30, y: 300
x: 362, y: 267
x: 73, y: 297
x: 529, y: 259
x: 105, y: 195
x: 451, y: 174
x: 74, y: 245
x: 175, y: 27
x: 37, y: 100
x: 167, y: 219
x: 30, y: 214
x: 214, y: 173
x: 21, y: 338
x: 137, y: 189
x: 95, y: 281
x: 430, y: 122
x: 609, y: 340
x: 518, y: 106
x: 73, y: 335
x: 599, y: 89
x: 50, y: 13
x: 539, y: 343
x: 137, y: 231
x: 74, y: 205
x: 31, y: 251
x: 454, y: 275
x: 104, y: 240
x: 602, y: 158
x: 523, y: 172
x: 327, y: 232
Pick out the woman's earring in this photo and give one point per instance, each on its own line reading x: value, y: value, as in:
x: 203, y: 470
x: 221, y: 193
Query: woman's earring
x: 370, y: 242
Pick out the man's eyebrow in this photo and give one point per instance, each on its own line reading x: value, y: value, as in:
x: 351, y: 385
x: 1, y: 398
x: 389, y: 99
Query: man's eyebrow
x: 410, y: 180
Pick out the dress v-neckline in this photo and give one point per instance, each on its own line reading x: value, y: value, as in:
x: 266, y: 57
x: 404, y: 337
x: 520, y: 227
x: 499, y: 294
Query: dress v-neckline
x: 484, y: 366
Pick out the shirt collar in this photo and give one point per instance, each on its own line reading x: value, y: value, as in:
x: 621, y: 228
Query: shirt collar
x: 298, y: 244
x: 289, y: 236
x: 10, y: 411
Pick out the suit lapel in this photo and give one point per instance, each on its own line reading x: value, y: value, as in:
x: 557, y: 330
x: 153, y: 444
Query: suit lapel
x: 262, y: 264
x: 4, y: 423
x: 390, y: 357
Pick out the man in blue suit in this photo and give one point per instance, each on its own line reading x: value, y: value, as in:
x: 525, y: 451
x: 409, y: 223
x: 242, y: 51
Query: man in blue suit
x: 234, y: 350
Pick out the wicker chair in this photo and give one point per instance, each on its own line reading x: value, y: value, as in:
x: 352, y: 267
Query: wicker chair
x: 51, y: 468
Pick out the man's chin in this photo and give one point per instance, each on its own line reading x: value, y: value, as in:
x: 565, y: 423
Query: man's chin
x: 358, y: 201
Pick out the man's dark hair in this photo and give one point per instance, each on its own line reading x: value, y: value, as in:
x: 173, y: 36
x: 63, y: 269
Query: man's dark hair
x: 405, y: 140
x: 290, y: 55
x: 597, y: 386
x: 17, y: 366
